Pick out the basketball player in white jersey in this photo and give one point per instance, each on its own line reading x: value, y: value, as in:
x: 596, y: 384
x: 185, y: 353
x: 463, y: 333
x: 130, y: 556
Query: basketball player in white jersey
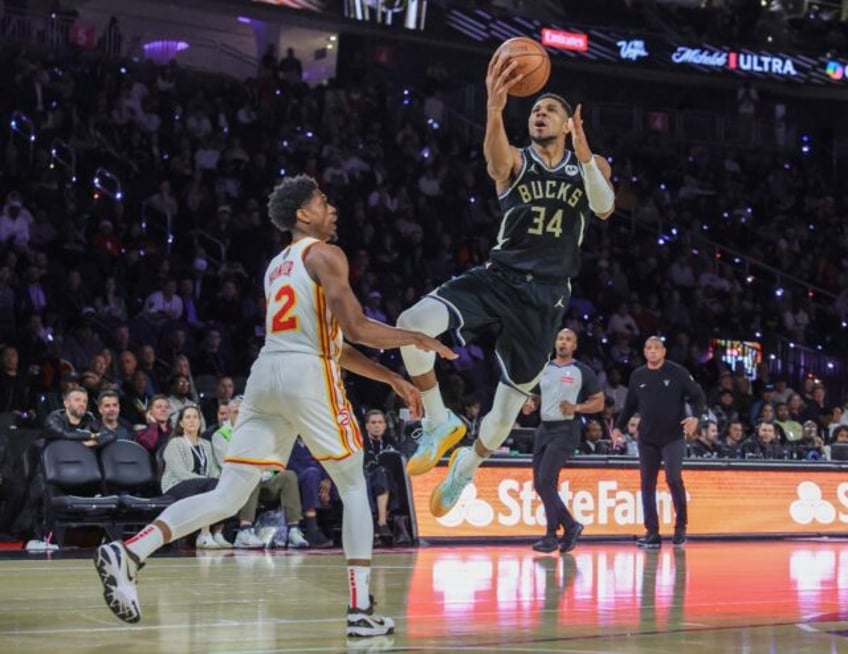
x: 295, y: 388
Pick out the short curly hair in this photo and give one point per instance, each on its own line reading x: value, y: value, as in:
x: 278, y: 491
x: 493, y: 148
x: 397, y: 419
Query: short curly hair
x: 565, y: 104
x: 287, y: 197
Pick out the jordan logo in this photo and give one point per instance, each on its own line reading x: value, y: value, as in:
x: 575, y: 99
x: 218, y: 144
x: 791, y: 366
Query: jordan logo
x: 532, y: 169
x: 560, y: 304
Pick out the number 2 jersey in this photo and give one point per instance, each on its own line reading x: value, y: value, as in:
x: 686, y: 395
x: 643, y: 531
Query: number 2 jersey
x: 297, y: 318
x: 545, y: 213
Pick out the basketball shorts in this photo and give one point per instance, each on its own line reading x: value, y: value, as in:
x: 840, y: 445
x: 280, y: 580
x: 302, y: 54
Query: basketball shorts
x: 527, y: 312
x: 290, y: 395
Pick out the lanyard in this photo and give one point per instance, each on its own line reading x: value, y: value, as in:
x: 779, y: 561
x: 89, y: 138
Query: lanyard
x: 199, y: 455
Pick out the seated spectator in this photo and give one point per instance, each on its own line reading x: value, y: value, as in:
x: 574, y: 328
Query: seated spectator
x: 382, y: 487
x: 471, y: 417
x: 219, y: 420
x: 224, y: 391
x: 180, y: 398
x: 734, y: 440
x: 811, y: 446
x: 155, y: 436
x: 13, y: 385
x: 767, y: 414
x: 316, y: 491
x: 163, y: 305
x: 766, y: 399
x: 592, y: 442
x: 277, y: 487
x: 191, y: 469
x: 765, y: 445
x: 607, y: 417
x: 792, y: 429
x: 109, y: 408
x: 706, y: 445
x: 75, y: 423
x: 136, y: 397
x: 629, y: 442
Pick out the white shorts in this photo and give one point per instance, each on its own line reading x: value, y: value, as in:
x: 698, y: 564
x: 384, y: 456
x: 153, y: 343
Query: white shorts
x: 290, y: 395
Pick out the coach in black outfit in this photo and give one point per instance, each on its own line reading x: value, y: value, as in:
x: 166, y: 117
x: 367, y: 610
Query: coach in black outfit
x: 658, y: 391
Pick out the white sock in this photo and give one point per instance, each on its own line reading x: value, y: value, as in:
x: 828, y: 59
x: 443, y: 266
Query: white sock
x: 468, y: 464
x: 359, y: 580
x: 145, y: 542
x: 434, y: 405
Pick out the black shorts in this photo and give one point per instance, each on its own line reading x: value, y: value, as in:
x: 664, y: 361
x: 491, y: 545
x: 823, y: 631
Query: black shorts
x: 527, y: 312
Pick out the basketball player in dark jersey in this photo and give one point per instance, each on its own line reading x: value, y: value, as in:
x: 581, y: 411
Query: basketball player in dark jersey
x: 547, y: 194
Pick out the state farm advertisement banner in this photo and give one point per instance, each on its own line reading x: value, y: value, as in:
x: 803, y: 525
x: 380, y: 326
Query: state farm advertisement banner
x: 502, y: 502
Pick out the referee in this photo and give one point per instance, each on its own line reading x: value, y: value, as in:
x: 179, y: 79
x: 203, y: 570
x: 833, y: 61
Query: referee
x: 567, y: 387
x: 658, y: 391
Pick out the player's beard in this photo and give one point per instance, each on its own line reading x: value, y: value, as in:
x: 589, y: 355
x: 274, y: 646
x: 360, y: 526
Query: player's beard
x: 544, y: 140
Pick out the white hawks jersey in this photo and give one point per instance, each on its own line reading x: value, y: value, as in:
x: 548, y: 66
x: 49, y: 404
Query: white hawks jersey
x: 297, y: 318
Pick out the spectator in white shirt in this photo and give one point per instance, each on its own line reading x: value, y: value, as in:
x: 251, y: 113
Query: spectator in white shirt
x: 163, y: 305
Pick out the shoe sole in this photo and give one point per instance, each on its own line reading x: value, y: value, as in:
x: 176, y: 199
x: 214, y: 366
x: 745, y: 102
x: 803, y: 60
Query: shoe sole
x: 365, y: 632
x: 649, y: 547
x: 570, y: 546
x: 545, y: 550
x: 104, y: 566
x: 437, y: 508
x: 420, y: 465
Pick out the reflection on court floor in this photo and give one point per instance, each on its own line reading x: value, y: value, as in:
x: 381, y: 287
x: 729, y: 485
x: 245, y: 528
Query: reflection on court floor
x: 711, y: 596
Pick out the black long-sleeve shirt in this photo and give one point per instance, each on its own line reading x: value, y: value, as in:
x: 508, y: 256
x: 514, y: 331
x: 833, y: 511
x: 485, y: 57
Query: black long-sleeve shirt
x: 659, y: 396
x: 57, y: 425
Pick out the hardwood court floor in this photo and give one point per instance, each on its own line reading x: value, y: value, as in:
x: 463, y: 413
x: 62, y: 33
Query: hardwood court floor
x: 765, y: 596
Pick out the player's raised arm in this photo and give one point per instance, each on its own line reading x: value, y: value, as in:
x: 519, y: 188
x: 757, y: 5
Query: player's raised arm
x: 502, y: 159
x: 328, y: 265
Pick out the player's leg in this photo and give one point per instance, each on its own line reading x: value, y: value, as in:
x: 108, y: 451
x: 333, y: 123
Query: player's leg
x: 494, y: 430
x: 441, y: 429
x: 328, y: 426
x: 358, y: 540
x: 118, y: 562
x: 474, y: 299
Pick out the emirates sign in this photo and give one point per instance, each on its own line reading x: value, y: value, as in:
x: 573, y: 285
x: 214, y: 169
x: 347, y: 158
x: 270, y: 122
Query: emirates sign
x: 563, y: 40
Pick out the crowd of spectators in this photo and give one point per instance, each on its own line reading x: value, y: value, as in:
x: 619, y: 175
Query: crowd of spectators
x: 133, y: 238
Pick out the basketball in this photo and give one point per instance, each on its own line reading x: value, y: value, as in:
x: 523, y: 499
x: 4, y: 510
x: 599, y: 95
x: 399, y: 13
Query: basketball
x: 533, y: 62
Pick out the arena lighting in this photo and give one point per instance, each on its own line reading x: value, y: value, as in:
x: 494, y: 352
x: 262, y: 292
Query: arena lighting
x: 164, y: 50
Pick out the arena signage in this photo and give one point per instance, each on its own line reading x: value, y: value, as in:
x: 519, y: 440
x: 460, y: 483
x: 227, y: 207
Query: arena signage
x: 632, y: 49
x: 650, y: 51
x: 562, y: 40
x: 502, y: 502
x: 744, y: 61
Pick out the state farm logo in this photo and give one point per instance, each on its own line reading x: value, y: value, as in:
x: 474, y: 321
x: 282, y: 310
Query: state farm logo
x: 518, y: 504
x: 470, y: 509
x: 811, y: 506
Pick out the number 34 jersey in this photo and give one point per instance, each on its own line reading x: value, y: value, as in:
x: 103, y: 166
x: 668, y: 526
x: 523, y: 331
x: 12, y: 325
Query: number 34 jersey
x: 545, y: 213
x: 297, y: 318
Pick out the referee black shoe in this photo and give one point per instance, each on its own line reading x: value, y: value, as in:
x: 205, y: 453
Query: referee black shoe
x: 546, y: 545
x: 569, y: 541
x: 679, y: 539
x: 650, y: 541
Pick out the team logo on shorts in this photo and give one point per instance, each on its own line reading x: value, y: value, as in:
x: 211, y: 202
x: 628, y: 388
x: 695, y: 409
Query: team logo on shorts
x: 343, y: 418
x: 571, y: 169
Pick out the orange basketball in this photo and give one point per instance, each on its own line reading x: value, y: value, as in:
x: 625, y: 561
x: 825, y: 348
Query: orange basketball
x: 533, y: 62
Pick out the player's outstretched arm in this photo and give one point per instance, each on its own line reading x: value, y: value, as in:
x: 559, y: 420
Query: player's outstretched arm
x: 596, y: 170
x: 353, y: 360
x: 501, y: 158
x: 329, y: 267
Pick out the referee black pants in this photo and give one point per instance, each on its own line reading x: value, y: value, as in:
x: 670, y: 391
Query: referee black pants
x: 650, y: 459
x: 553, y: 446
